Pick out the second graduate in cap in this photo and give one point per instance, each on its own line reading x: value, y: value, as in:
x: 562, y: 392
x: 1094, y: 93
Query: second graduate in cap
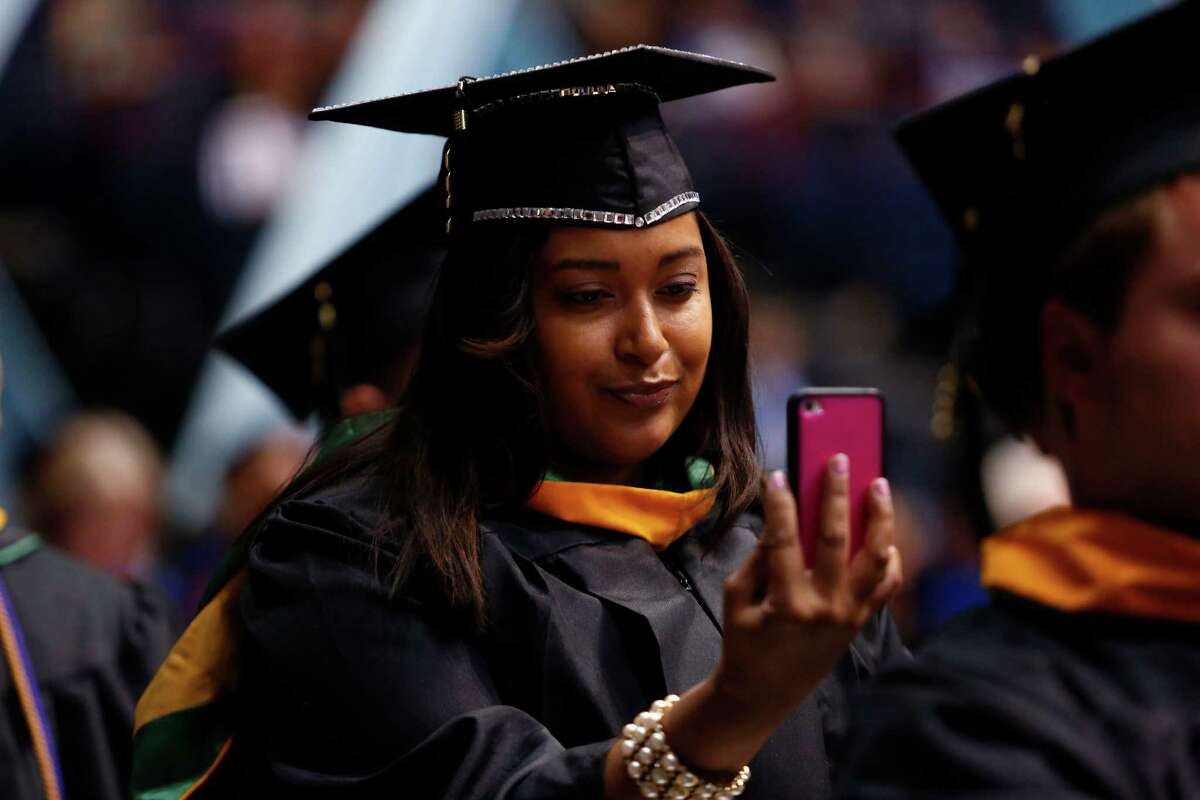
x: 1074, y: 189
x: 544, y: 579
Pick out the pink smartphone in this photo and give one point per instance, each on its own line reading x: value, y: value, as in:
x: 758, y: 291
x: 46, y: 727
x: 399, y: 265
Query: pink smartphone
x: 821, y: 424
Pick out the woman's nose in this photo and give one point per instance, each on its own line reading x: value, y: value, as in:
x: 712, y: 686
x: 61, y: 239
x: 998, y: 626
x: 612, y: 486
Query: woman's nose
x: 642, y: 338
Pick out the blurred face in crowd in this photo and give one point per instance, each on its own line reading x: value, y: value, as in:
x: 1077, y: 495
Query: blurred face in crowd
x: 1134, y: 393
x: 95, y: 492
x: 624, y: 328
x: 255, y: 480
x: 288, y: 49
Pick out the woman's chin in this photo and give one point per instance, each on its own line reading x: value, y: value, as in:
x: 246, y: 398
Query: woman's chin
x: 616, y: 449
x: 634, y: 450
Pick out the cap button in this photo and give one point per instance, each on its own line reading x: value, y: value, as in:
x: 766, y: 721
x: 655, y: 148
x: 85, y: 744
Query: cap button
x: 1014, y: 118
x: 327, y: 316
x: 1031, y: 65
x: 970, y: 219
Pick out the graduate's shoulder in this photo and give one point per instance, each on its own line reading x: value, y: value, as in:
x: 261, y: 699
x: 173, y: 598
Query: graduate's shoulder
x: 69, y: 586
x: 1019, y: 666
x: 108, y: 619
x: 357, y: 523
x: 993, y: 653
x: 1028, y: 646
x: 1019, y: 696
x: 345, y: 511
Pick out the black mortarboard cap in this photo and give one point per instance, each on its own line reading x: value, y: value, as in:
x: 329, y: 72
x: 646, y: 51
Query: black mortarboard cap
x: 351, y: 320
x: 1021, y: 166
x: 576, y: 142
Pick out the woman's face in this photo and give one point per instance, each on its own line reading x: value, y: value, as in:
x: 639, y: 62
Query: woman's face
x: 624, y: 327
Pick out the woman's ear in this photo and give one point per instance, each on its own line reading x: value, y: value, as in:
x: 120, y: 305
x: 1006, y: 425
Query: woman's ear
x: 362, y: 398
x: 1072, y: 345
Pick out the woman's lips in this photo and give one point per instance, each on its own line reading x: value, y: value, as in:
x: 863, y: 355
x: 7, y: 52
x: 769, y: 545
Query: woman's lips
x: 645, y: 395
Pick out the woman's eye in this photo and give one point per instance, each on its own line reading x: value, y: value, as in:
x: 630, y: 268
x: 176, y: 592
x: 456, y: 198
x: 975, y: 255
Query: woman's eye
x: 584, y: 297
x: 679, y: 290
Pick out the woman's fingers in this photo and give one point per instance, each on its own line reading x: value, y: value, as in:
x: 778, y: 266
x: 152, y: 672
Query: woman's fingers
x: 893, y: 579
x: 780, y: 543
x: 881, y: 517
x: 870, y: 564
x: 742, y: 588
x: 829, y: 552
x: 870, y: 579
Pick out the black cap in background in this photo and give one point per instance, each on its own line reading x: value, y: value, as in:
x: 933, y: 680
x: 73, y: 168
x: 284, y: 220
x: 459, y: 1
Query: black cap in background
x: 1021, y: 166
x: 355, y: 320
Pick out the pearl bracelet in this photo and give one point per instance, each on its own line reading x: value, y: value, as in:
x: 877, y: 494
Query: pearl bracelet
x: 657, y: 771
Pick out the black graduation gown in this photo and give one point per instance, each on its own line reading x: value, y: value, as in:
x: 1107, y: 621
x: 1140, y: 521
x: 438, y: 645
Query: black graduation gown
x: 1020, y: 700
x: 349, y: 692
x: 94, y: 644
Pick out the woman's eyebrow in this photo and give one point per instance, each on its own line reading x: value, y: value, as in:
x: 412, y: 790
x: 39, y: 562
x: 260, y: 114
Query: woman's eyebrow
x: 691, y: 251
x: 585, y: 263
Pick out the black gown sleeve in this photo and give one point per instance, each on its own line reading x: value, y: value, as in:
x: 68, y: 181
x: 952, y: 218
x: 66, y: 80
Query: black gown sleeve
x: 353, y: 691
x: 95, y: 643
x: 94, y: 704
x: 978, y: 726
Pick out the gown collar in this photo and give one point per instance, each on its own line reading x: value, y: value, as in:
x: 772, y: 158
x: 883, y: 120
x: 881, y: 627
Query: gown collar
x: 15, y: 543
x: 350, y: 429
x: 658, y: 515
x: 1078, y: 560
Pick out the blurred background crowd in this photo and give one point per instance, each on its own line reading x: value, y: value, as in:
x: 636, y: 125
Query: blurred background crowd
x: 158, y: 178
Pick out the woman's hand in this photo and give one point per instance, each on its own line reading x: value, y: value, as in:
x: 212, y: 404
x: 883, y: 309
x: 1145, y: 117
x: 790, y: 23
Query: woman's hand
x: 787, y: 623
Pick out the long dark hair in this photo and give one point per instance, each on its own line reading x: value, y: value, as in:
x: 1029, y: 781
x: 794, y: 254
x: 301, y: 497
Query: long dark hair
x: 470, y: 439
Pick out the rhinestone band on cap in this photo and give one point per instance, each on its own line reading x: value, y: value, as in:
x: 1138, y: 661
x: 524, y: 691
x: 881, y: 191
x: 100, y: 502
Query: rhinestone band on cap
x: 580, y: 214
x: 657, y: 213
x: 587, y: 215
x: 548, y: 95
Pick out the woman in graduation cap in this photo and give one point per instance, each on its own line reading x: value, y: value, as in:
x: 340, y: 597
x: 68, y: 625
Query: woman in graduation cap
x: 542, y: 580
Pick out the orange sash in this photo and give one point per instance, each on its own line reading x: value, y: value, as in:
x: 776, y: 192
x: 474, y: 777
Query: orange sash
x: 1078, y: 560
x: 658, y: 516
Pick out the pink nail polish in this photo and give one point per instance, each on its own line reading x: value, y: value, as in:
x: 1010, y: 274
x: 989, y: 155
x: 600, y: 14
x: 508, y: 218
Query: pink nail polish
x: 839, y: 464
x: 881, y: 488
x: 778, y: 479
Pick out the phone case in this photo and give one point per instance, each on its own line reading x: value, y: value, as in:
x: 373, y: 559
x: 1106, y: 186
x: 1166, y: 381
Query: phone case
x: 823, y: 422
